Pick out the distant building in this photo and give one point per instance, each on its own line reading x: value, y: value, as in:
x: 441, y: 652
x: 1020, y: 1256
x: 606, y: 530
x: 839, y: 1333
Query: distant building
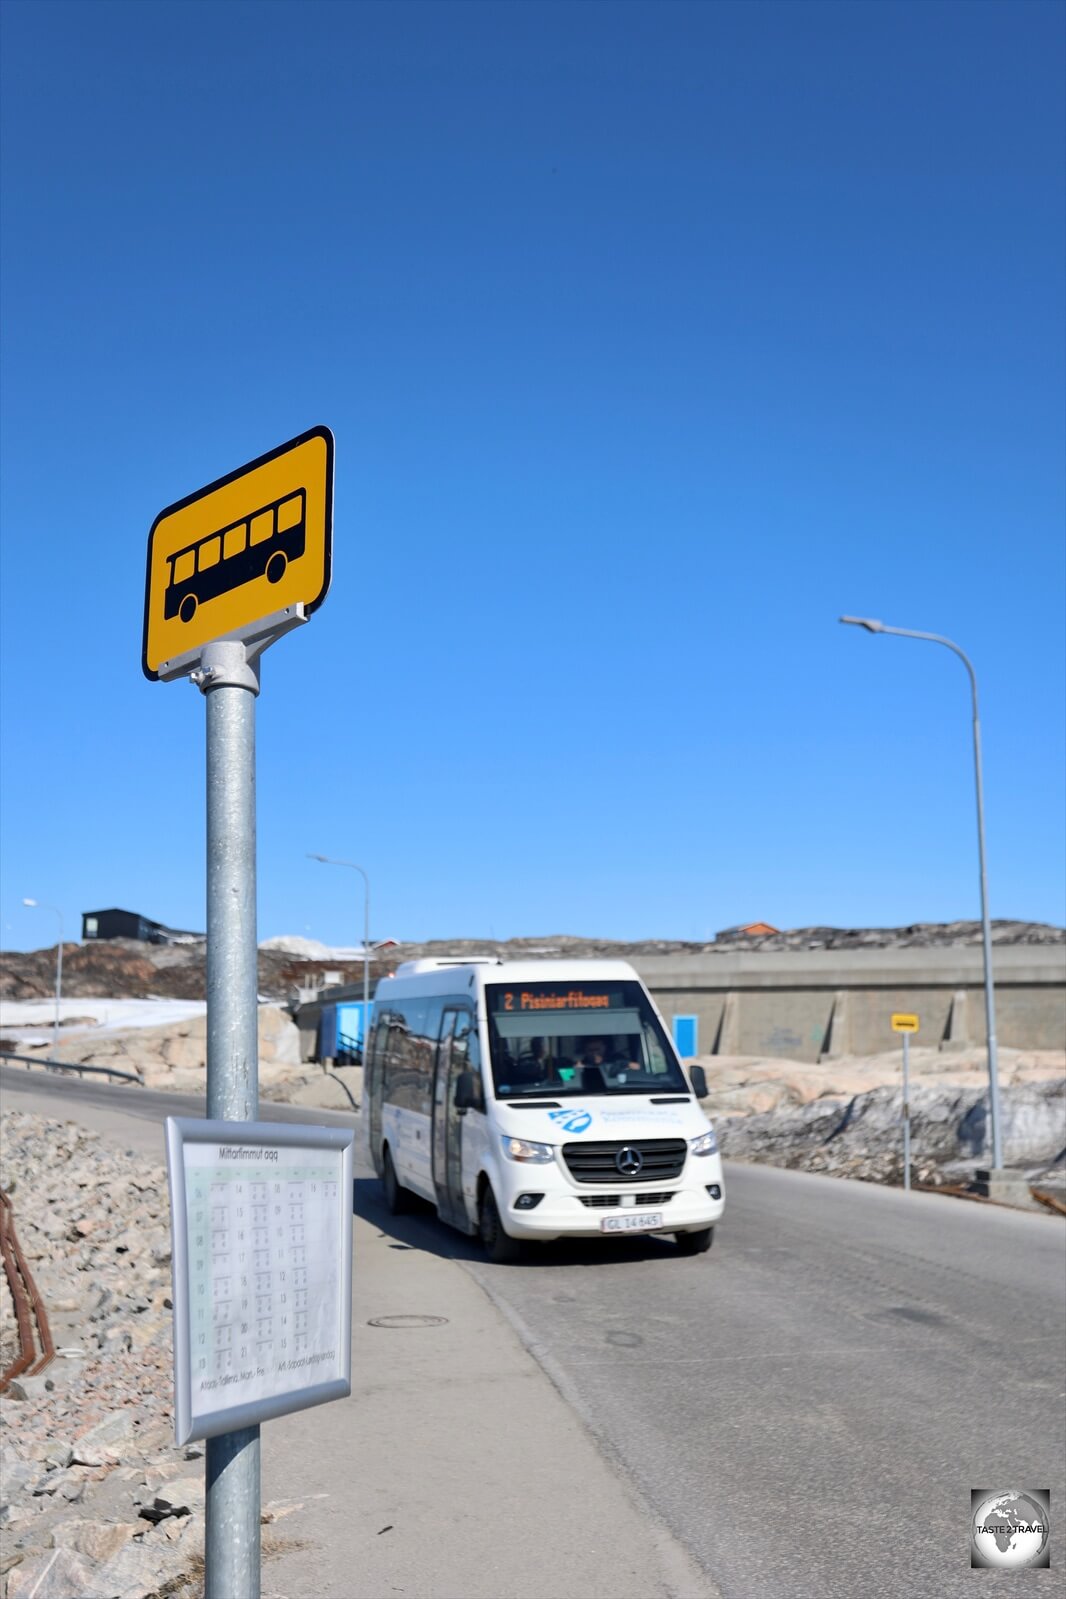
x: 129, y: 924
x: 748, y: 930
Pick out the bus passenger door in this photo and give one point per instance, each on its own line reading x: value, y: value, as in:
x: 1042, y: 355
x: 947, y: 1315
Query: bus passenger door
x: 447, y: 1125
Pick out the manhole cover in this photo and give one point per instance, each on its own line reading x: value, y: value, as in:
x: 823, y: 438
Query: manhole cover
x: 408, y: 1321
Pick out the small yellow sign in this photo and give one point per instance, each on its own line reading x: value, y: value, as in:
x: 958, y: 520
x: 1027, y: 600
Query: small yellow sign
x: 902, y: 1023
x: 239, y: 550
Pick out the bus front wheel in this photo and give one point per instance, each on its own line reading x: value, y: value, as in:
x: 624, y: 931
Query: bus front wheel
x: 187, y: 608
x: 499, y: 1246
x: 395, y: 1193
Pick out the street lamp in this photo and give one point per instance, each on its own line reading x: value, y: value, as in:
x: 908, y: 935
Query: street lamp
x: 327, y: 860
x: 35, y: 905
x: 873, y: 626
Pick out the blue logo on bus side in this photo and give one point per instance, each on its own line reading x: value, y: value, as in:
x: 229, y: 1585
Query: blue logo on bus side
x: 572, y: 1120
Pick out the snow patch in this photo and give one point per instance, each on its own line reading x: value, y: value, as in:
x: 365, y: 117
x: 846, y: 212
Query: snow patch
x: 108, y: 1015
x: 309, y: 949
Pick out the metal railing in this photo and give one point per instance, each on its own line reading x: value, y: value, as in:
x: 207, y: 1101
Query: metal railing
x: 72, y: 1066
x: 350, y: 1049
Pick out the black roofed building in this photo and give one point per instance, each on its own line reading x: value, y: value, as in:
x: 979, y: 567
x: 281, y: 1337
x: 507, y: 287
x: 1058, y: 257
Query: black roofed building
x: 130, y: 924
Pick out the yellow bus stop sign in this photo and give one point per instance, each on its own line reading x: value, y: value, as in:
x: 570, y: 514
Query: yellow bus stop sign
x: 903, y: 1023
x: 244, y: 548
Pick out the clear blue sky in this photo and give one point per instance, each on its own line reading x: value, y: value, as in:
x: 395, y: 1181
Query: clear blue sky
x: 653, y: 337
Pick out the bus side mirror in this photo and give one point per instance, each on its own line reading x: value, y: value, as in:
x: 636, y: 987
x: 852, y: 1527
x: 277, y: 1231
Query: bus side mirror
x: 465, y: 1092
x: 698, y: 1079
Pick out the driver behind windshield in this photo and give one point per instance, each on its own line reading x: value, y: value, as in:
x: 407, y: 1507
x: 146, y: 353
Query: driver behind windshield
x: 617, y: 1061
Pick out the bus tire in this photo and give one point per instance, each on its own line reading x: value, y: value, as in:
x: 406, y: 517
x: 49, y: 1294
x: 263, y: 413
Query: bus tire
x: 396, y: 1195
x: 275, y: 567
x: 500, y: 1247
x: 187, y: 608
x: 696, y: 1243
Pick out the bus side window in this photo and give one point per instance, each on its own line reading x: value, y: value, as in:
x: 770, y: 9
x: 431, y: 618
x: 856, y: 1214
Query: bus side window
x: 184, y: 566
x: 235, y: 540
x: 393, y: 1056
x: 290, y: 512
x: 375, y: 1051
x: 657, y: 1062
x: 262, y: 527
x: 466, y: 1040
x: 207, y: 553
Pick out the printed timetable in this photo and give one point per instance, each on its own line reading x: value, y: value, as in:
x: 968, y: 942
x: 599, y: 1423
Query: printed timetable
x: 262, y: 1224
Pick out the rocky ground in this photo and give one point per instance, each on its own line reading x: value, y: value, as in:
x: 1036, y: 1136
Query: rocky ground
x: 843, y: 1117
x: 126, y: 968
x: 172, y: 1056
x: 96, y: 1501
x: 920, y: 935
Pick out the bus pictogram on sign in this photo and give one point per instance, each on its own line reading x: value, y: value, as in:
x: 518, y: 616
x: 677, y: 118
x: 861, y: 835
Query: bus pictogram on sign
x: 240, y: 550
x: 262, y: 545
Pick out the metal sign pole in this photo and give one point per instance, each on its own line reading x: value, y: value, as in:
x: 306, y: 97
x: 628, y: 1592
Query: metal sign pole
x: 230, y: 684
x: 906, y: 1111
x: 262, y: 535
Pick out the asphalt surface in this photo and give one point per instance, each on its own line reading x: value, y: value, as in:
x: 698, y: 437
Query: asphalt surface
x: 96, y: 1103
x: 802, y: 1412
x: 455, y: 1470
x: 809, y: 1406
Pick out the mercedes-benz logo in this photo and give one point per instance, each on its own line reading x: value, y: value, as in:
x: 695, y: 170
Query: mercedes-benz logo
x: 630, y: 1161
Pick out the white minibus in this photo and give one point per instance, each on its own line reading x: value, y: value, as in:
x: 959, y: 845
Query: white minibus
x: 537, y: 1100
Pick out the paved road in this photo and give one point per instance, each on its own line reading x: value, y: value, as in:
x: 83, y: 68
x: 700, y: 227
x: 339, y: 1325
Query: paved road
x: 454, y: 1470
x: 807, y: 1408
x: 139, y: 1112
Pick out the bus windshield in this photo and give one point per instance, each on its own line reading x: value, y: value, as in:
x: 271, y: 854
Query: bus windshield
x: 563, y: 1039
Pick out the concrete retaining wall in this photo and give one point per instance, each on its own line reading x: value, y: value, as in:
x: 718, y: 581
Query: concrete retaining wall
x: 814, y: 1004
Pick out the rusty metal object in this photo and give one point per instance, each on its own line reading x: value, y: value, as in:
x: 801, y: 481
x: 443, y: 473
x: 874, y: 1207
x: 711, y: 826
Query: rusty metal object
x: 958, y: 1191
x: 35, y: 1336
x: 954, y: 1191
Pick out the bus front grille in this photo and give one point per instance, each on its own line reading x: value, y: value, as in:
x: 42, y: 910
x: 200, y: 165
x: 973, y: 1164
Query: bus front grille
x: 657, y: 1159
x: 612, y: 1201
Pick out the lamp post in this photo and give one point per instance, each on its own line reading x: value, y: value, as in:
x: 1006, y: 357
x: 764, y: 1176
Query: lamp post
x: 873, y: 626
x: 36, y: 905
x: 328, y: 860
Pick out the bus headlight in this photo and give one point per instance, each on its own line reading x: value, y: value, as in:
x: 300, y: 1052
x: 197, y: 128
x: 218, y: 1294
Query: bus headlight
x: 705, y: 1144
x: 524, y: 1149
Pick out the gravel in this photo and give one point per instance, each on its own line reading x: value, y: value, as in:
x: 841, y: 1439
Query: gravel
x: 86, y: 1446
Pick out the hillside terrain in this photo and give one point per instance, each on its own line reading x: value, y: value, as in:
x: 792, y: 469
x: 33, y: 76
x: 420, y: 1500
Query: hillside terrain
x: 127, y: 969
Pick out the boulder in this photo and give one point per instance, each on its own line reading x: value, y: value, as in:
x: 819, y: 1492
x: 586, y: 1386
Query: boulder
x: 174, y: 1054
x: 949, y: 1124
x: 98, y: 1541
x: 57, y: 1574
x: 139, y: 1570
